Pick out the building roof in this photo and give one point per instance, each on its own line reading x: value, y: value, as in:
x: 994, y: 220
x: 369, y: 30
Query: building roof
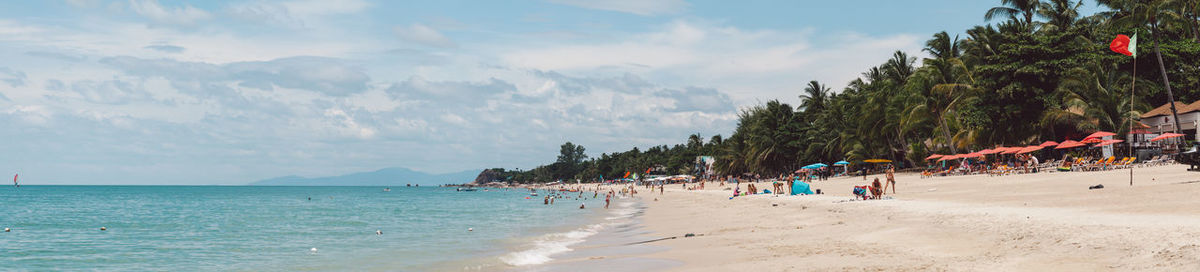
x: 1165, y: 109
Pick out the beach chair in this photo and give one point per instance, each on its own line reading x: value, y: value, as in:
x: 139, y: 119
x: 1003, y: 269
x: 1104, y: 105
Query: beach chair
x: 1156, y: 160
x: 1079, y: 164
x: 1149, y: 162
x: 1104, y: 164
x: 1052, y: 164
x: 1119, y: 164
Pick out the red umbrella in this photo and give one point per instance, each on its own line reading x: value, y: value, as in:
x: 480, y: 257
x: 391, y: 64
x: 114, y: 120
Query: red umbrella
x: 1108, y: 142
x: 1011, y: 150
x: 988, y: 151
x: 1091, y: 140
x: 1100, y: 134
x: 1048, y: 144
x: 1069, y: 144
x: 971, y: 155
x: 948, y: 157
x: 1028, y: 149
x: 1167, y: 135
x: 934, y: 156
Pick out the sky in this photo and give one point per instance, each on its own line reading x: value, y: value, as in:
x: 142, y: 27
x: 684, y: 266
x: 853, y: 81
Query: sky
x: 229, y: 92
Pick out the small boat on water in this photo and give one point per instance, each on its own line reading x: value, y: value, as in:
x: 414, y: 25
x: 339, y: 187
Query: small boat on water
x: 466, y: 189
x: 387, y: 189
x: 532, y: 194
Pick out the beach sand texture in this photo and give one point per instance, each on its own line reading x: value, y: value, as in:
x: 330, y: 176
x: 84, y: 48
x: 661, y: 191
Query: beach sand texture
x: 1026, y: 222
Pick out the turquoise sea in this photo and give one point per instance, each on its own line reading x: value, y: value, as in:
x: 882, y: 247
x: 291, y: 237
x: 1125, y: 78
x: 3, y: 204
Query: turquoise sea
x: 248, y: 228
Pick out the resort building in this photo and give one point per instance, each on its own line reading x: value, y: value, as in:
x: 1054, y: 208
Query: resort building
x: 1159, y: 119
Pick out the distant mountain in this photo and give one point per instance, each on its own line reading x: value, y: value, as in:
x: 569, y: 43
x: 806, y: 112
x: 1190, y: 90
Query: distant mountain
x: 395, y: 176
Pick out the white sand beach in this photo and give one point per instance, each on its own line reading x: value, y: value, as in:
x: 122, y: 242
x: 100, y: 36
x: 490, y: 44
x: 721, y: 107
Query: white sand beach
x: 1026, y: 222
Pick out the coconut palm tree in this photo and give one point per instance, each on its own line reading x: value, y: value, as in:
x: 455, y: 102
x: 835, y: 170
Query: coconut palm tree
x: 1026, y: 9
x: 1138, y: 14
x: 1091, y: 99
x: 1059, y: 14
x: 814, y: 98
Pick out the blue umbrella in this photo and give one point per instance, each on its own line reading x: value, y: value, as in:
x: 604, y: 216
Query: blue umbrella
x: 841, y: 163
x: 815, y: 166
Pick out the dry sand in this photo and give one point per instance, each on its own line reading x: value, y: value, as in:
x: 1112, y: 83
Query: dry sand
x: 1027, y: 222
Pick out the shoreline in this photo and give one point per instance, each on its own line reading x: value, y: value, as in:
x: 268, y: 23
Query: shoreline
x: 591, y: 244
x: 1042, y: 221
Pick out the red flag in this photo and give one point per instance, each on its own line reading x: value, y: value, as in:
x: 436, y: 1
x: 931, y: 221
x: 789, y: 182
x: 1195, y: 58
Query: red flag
x: 1121, y: 45
x: 626, y: 174
x: 648, y: 170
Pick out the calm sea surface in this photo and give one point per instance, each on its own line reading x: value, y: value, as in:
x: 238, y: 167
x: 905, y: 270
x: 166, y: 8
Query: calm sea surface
x: 246, y: 228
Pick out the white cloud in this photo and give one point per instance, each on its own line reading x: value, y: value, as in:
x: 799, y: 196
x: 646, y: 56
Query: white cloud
x: 749, y: 64
x: 14, y: 78
x: 325, y: 75
x: 185, y: 15
x: 231, y: 101
x: 12, y: 28
x: 295, y: 13
x: 639, y: 7
x: 84, y: 3
x: 421, y: 34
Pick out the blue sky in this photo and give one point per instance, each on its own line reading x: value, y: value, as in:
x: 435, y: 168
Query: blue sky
x: 216, y: 92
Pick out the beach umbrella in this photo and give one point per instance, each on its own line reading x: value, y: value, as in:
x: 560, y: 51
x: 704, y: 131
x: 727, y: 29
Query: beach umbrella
x: 1011, y: 150
x: 934, y: 156
x: 990, y: 151
x: 1108, y: 142
x: 1091, y: 140
x: 814, y: 166
x: 971, y: 155
x: 841, y: 163
x: 948, y: 157
x: 1028, y: 149
x: 1100, y: 134
x: 1167, y: 135
x: 1048, y: 144
x: 1069, y: 144
x: 878, y: 160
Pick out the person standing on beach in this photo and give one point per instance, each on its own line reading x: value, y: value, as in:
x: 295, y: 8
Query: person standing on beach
x: 891, y: 179
x: 789, y: 184
x: 607, y: 199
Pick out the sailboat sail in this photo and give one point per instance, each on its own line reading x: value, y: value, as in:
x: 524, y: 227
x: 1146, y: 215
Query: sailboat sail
x: 15, y: 180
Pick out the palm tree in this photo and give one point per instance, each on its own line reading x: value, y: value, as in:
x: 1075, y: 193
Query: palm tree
x: 1012, y: 8
x: 1141, y: 13
x: 814, y: 98
x: 1059, y: 14
x: 942, y: 86
x: 1091, y: 100
x: 694, y: 142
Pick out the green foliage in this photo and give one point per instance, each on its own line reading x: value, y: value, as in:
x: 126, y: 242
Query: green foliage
x: 1043, y: 72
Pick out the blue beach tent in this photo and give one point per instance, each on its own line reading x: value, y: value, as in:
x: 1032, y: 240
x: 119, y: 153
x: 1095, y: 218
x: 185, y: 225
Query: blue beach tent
x: 800, y: 187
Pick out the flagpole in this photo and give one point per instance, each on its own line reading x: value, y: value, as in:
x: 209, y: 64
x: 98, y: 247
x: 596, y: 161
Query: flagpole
x: 1132, y: 86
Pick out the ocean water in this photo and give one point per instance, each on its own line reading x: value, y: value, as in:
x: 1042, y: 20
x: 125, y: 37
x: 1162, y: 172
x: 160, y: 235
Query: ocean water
x: 247, y: 228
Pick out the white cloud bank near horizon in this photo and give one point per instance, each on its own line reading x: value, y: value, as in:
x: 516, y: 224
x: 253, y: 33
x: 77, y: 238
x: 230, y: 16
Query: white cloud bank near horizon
x: 178, y: 94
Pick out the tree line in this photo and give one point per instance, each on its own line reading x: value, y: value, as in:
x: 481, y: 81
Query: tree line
x: 1039, y: 70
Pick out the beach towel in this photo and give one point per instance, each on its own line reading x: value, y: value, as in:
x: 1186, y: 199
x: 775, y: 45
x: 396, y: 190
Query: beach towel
x: 801, y: 187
